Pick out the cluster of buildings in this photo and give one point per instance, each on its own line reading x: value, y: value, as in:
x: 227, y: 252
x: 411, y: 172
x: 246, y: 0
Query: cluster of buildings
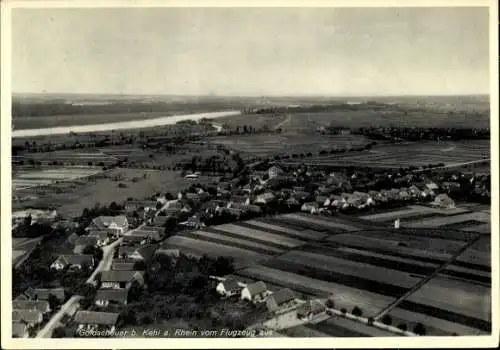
x: 277, y: 302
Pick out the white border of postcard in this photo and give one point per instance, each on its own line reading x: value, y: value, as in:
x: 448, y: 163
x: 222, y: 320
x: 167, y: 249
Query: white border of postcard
x: 127, y: 343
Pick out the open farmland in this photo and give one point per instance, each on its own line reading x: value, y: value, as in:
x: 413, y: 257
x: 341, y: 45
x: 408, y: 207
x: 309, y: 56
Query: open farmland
x: 71, y: 197
x: 408, y: 154
x: 24, y: 179
x: 448, y: 220
x: 469, y: 304
x: 478, y: 255
x: 272, y: 144
x: 329, y: 223
x: 410, y: 212
x: 261, y: 235
x: 199, y: 247
x: 69, y: 157
x: 344, y: 327
x: 344, y: 296
x: 306, y: 235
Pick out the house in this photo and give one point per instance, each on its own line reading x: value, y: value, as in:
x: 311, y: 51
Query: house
x: 130, y: 240
x: 191, y: 176
x: 116, y: 224
x: 252, y: 208
x: 105, y: 297
x: 152, y: 235
x: 443, y: 201
x: 172, y: 252
x: 102, y: 237
x: 123, y: 264
x: 136, y: 253
x: 280, y: 300
x: 73, y: 261
x: 310, y: 207
x: 161, y: 220
x: 239, y: 200
x: 195, y: 197
x: 192, y: 222
x: 20, y: 330
x: 83, y: 242
x: 431, y: 186
x: 322, y: 200
x: 29, y: 317
x: 132, y: 206
x: 292, y: 202
x: 274, y: 171
x: 96, y: 320
x: 265, y: 198
x: 301, y: 195
x: 42, y: 294
x: 310, y: 309
x: 116, y: 279
x: 228, y: 288
x: 234, y: 212
x: 255, y: 292
x: 40, y: 305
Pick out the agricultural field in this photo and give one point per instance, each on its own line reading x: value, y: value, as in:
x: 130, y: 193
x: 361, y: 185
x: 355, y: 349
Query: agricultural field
x: 25, y: 179
x: 409, y: 154
x: 469, y: 304
x: 344, y: 327
x: 22, y: 248
x: 328, y: 223
x: 70, y: 198
x: 287, y: 144
x: 307, y: 235
x: 261, y: 235
x: 474, y: 217
x: 478, y: 255
x: 92, y: 157
x: 411, y: 212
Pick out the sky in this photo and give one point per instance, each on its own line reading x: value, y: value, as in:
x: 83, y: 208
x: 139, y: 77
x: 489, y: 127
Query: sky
x: 251, y: 51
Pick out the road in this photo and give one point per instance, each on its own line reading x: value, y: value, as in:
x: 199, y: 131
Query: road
x: 67, y: 309
x: 133, y: 124
x: 455, y: 165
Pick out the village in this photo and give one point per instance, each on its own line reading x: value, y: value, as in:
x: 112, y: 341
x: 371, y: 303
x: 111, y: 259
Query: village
x: 114, y: 251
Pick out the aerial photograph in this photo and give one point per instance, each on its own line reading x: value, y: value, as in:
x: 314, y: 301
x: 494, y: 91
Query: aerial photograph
x: 231, y: 172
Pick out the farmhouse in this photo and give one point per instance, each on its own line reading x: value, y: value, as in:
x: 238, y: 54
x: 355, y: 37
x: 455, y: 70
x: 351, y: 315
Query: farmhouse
x: 105, y: 297
x: 40, y: 305
x: 310, y: 309
x: 310, y: 207
x: 148, y: 234
x: 192, y: 222
x: 96, y: 320
x: 20, y: 330
x: 131, y: 206
x: 443, y: 201
x: 228, y: 288
x: 274, y: 171
x: 120, y: 279
x: 102, y: 237
x: 265, y: 198
x: 136, y: 253
x: 123, y: 264
x: 239, y: 200
x: 117, y: 224
x: 42, y: 294
x: 281, y: 299
x: 30, y: 317
x: 130, y: 240
x: 255, y: 292
x: 83, y: 242
x: 73, y: 261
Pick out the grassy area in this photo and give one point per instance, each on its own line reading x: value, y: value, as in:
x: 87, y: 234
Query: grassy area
x: 72, y: 197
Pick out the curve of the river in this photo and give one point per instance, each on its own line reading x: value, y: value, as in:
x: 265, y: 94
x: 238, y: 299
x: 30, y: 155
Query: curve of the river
x: 132, y: 124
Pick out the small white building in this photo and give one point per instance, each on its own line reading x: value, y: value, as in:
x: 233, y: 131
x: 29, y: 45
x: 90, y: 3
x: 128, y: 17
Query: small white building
x: 397, y: 223
x: 274, y: 171
x: 443, y: 201
x: 255, y: 292
x: 228, y: 288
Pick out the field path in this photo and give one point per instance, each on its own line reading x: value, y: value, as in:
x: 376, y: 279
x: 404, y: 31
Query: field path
x: 427, y: 279
x: 133, y: 124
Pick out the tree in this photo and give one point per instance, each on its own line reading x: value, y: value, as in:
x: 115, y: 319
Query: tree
x: 53, y: 301
x: 387, y: 320
x: 329, y: 303
x: 403, y: 327
x: 59, y: 332
x: 356, y: 311
x: 371, y: 320
x: 343, y: 310
x: 419, y: 329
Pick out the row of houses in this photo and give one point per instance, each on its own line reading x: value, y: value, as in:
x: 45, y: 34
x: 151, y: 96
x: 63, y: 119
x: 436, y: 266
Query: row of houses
x: 30, y: 308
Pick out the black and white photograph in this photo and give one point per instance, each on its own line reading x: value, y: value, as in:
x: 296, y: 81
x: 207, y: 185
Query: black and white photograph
x: 245, y: 174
